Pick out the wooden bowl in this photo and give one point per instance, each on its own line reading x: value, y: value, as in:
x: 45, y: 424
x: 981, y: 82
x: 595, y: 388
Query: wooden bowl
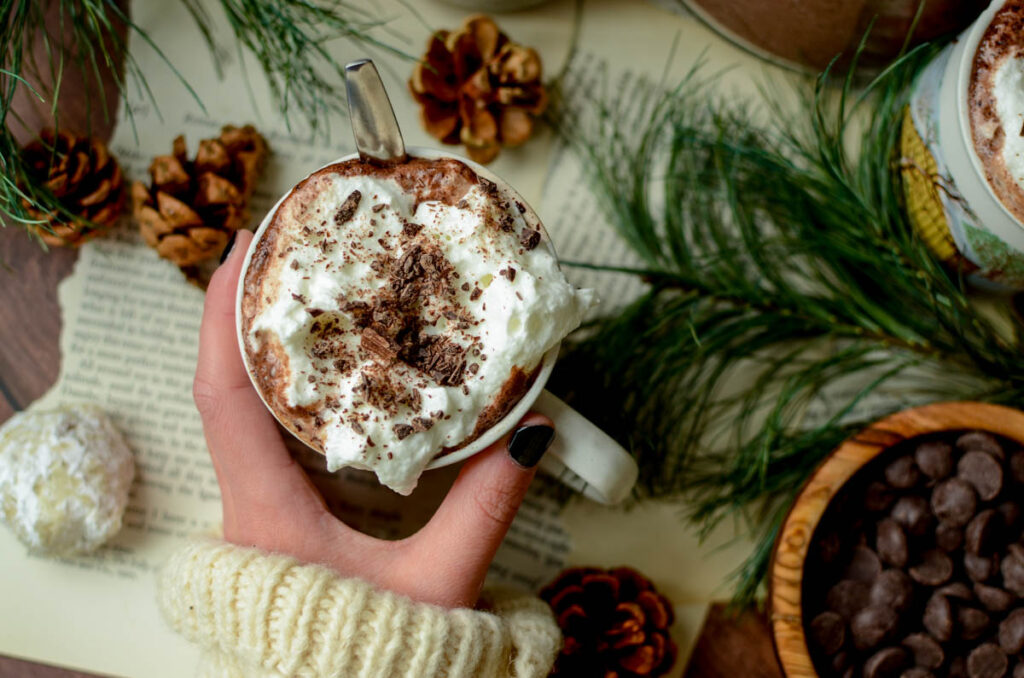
x: 787, y: 566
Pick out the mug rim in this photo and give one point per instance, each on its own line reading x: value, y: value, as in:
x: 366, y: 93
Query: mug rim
x: 542, y: 370
x: 968, y: 43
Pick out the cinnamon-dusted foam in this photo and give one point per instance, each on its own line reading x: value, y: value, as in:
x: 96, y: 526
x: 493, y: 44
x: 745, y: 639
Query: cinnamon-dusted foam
x: 393, y: 313
x: 997, y: 105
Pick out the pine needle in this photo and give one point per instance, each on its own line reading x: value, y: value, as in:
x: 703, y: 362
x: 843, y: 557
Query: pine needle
x: 782, y: 272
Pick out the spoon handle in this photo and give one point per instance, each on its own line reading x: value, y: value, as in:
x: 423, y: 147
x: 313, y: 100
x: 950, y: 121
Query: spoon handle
x: 374, y: 125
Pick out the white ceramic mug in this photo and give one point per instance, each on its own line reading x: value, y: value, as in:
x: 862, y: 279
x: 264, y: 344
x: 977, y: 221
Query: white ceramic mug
x: 582, y: 456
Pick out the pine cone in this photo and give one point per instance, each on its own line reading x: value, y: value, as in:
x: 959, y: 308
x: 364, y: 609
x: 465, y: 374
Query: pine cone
x: 192, y: 207
x: 479, y: 88
x: 614, y: 622
x: 84, y: 177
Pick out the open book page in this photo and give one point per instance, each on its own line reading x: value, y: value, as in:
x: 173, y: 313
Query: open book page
x: 129, y: 336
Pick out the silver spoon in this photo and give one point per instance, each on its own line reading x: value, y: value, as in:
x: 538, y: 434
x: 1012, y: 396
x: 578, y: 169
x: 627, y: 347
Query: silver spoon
x: 374, y: 125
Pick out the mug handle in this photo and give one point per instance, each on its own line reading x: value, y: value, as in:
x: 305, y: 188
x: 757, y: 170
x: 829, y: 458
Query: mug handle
x: 584, y: 457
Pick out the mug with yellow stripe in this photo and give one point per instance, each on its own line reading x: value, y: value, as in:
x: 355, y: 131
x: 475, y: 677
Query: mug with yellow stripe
x: 951, y: 204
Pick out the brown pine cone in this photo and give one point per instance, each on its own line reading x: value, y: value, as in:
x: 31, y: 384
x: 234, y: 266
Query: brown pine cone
x: 85, y: 179
x: 479, y: 88
x: 191, y: 207
x: 614, y: 622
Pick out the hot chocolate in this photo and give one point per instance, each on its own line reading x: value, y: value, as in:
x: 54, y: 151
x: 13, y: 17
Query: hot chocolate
x: 997, y: 105
x: 391, y: 314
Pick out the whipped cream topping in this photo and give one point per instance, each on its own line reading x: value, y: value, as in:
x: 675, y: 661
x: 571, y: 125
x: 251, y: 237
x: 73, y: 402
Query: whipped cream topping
x: 1008, y: 90
x: 396, y: 326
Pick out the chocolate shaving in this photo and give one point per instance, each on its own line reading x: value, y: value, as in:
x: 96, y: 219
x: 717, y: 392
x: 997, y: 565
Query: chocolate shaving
x: 314, y: 311
x: 488, y: 186
x: 299, y: 298
x: 378, y: 346
x: 422, y: 424
x: 410, y: 230
x: 475, y: 294
x: 529, y: 238
x: 378, y: 207
x: 348, y: 208
x: 402, y: 431
x: 509, y: 273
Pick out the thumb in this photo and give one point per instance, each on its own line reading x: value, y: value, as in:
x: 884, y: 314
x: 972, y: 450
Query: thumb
x: 467, y: 529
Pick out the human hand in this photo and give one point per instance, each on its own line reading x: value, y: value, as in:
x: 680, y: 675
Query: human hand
x: 270, y: 503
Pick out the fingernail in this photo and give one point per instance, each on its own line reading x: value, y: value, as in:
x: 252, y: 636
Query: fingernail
x: 227, y: 247
x: 529, y: 443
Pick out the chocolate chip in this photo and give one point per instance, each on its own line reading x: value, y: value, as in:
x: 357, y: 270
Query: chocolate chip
x: 958, y: 590
x: 987, y: 661
x: 934, y: 569
x: 981, y: 568
x: 1018, y: 670
x: 954, y: 501
x: 934, y: 458
x: 864, y: 566
x: 1010, y: 513
x: 982, y: 532
x: 902, y: 473
x: 981, y: 442
x: 949, y: 537
x: 982, y: 471
x: 878, y: 497
x: 828, y: 630
x: 873, y: 625
x: 847, y: 597
x: 993, y: 598
x: 887, y: 663
x: 893, y: 588
x: 840, y: 661
x: 1011, y: 632
x: 913, y: 514
x: 891, y: 543
x: 927, y: 652
x: 917, y: 672
x: 938, y: 617
x: 973, y: 622
x: 1017, y: 466
x: 957, y: 668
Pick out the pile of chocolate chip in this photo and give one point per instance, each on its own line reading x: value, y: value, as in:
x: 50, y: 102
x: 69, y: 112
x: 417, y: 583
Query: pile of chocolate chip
x: 917, y: 568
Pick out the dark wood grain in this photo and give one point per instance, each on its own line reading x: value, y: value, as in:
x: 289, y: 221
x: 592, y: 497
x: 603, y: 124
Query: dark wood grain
x: 29, y: 318
x: 29, y: 314
x: 16, y: 668
x: 733, y: 645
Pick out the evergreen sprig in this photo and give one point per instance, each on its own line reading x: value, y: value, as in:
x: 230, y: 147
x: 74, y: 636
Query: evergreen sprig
x: 782, y: 269
x: 289, y: 38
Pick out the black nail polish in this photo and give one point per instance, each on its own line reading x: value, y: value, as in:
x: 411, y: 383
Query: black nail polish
x: 228, y: 246
x: 529, y: 443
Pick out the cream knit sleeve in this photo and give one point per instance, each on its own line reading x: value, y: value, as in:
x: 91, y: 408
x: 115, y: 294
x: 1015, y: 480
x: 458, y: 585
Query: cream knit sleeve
x: 257, y: 615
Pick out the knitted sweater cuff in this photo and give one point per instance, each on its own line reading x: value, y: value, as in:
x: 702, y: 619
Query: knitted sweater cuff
x: 264, y: 614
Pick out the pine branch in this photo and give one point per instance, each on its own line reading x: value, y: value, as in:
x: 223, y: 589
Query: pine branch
x: 783, y: 274
x: 289, y: 38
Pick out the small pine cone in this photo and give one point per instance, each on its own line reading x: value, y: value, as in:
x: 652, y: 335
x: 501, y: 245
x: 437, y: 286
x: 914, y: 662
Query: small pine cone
x: 478, y: 88
x: 615, y: 624
x: 85, y: 179
x: 190, y: 209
